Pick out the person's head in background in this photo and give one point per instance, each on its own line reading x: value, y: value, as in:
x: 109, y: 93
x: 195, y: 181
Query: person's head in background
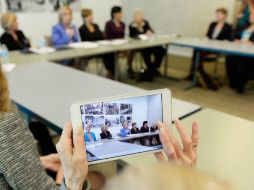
x: 166, y: 176
x: 138, y: 16
x: 5, y: 101
x: 65, y: 16
x: 9, y: 22
x: 125, y: 125
x: 134, y: 125
x: 116, y: 13
x: 221, y: 15
x: 89, y: 127
x: 145, y: 124
x: 104, y: 128
x: 87, y: 15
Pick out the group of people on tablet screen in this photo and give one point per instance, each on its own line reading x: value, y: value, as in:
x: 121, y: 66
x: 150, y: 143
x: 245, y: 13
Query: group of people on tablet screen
x: 125, y: 131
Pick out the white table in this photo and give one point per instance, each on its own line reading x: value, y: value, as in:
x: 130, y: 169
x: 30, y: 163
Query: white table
x: 46, y: 90
x: 225, y: 148
x: 213, y: 46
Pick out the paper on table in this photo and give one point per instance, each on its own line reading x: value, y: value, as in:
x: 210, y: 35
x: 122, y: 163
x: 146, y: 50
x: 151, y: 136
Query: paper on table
x: 84, y: 45
x: 144, y: 37
x: 119, y: 42
x: 104, y: 42
x: 44, y: 50
x: 8, y: 67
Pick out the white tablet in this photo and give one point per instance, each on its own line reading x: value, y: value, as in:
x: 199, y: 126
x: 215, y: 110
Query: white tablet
x: 120, y: 126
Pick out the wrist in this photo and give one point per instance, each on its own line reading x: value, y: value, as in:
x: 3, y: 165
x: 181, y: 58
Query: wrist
x: 76, y: 184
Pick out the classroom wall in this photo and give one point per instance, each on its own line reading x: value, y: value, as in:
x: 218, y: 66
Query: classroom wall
x: 37, y: 25
x: 154, y: 109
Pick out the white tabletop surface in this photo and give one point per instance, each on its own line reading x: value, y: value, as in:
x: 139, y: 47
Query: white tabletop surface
x: 226, y: 47
x: 48, y: 89
x: 225, y: 148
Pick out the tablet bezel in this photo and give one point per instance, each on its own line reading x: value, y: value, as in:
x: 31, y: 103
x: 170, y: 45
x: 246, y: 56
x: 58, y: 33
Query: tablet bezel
x: 76, y: 118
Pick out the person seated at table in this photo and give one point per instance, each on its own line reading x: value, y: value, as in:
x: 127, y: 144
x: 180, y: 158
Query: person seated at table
x: 241, y: 69
x: 124, y: 132
x: 218, y: 30
x: 154, y: 128
x: 89, y: 136
x: 105, y: 134
x: 115, y: 29
x: 64, y: 32
x: 12, y: 38
x: 134, y: 129
x: 152, y: 56
x: 243, y: 13
x: 91, y: 32
x: 145, y: 128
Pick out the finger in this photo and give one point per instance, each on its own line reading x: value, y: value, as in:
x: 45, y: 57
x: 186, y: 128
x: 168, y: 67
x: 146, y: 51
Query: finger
x: 186, y: 140
x: 169, y: 150
x: 182, y: 157
x: 159, y: 156
x: 78, y: 140
x: 194, y: 137
x: 64, y: 144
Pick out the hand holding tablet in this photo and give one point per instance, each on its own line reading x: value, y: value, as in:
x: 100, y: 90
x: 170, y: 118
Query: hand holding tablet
x: 121, y: 126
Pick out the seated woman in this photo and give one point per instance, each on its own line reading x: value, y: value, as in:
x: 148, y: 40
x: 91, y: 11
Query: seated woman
x: 91, y: 32
x: 241, y: 69
x: 105, y: 134
x: 145, y: 128
x: 218, y: 30
x: 13, y: 38
x: 134, y: 129
x: 64, y: 32
x: 89, y: 136
x: 124, y: 132
x: 152, y: 56
x: 115, y: 29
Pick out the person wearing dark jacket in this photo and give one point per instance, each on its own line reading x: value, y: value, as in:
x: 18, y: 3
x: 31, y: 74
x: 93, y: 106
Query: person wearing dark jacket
x: 218, y: 30
x: 13, y: 38
x: 135, y: 129
x: 90, y: 32
x: 138, y: 27
x: 105, y: 134
x: 241, y: 69
x: 145, y: 128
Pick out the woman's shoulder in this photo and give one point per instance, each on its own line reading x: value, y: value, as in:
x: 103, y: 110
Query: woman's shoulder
x: 11, y: 122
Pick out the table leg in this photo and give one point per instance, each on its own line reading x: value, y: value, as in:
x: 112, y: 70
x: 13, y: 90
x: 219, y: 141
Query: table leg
x: 116, y: 60
x: 166, y: 61
x: 195, y: 80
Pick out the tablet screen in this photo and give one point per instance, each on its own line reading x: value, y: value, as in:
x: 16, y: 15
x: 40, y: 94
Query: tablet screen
x: 123, y: 127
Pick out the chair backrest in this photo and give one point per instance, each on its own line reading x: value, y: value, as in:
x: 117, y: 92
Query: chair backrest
x: 48, y: 40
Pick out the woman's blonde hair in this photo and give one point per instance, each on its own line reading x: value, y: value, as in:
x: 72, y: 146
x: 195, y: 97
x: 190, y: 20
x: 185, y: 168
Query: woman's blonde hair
x: 62, y: 11
x: 164, y: 177
x: 8, y: 19
x: 5, y: 103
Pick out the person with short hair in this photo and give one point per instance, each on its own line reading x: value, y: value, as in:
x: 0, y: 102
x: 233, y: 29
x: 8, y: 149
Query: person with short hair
x: 64, y: 32
x: 145, y: 128
x: 89, y: 136
x: 105, y: 134
x: 134, y: 129
x: 124, y: 132
x: 218, y: 30
x: 152, y: 56
x: 115, y: 28
x: 91, y: 32
x: 12, y: 38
